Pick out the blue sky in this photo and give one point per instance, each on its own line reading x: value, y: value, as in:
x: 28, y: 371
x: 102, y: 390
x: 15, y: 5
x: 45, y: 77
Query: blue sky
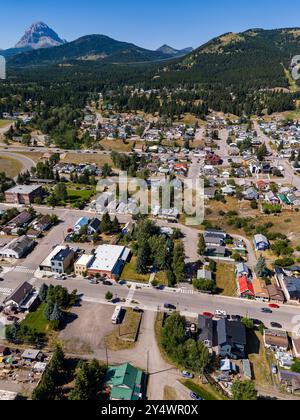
x: 179, y: 23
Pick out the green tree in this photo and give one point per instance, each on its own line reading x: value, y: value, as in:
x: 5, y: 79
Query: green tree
x: 201, y: 245
x: 244, y: 391
x: 43, y: 292
x: 89, y: 380
x: 61, y: 192
x: 109, y: 295
x: 178, y: 262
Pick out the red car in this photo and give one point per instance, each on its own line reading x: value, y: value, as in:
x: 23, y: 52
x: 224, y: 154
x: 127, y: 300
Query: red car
x: 208, y: 314
x: 273, y: 306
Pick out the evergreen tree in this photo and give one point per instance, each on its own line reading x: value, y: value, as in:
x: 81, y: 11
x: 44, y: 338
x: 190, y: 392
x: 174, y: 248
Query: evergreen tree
x: 43, y: 292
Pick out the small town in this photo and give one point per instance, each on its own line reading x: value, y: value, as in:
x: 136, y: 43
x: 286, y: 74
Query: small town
x: 149, y: 226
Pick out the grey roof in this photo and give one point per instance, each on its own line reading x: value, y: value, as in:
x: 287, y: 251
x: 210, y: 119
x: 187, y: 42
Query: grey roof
x: 231, y: 332
x: 205, y: 325
x: 210, y: 239
x: 260, y: 238
x: 23, y: 189
x: 242, y: 268
x: 30, y: 354
x: 293, y: 286
x: 247, y: 368
x: 20, y: 293
x: 204, y: 274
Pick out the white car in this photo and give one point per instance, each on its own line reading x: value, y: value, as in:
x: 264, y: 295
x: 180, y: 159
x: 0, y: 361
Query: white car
x: 221, y: 314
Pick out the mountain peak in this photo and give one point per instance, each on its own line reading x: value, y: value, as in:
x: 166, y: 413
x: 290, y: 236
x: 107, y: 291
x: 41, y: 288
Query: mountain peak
x: 166, y: 49
x: 39, y: 35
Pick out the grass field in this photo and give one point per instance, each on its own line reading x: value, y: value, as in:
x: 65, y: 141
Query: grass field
x: 162, y: 278
x: 124, y: 336
x: 170, y: 394
x: 129, y: 273
x: 37, y: 320
x: 75, y: 195
x: 207, y: 392
x: 258, y: 358
x: 225, y: 278
x: 117, y: 145
x: 99, y: 159
x: 4, y: 123
x: 10, y: 166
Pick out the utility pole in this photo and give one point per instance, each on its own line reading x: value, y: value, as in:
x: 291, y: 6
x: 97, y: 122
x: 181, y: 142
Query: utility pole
x: 106, y: 353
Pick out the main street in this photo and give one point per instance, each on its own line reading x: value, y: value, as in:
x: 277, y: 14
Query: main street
x: 185, y: 299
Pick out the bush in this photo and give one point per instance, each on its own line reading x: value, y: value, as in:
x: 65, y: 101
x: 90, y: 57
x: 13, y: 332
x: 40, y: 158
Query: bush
x: 109, y: 296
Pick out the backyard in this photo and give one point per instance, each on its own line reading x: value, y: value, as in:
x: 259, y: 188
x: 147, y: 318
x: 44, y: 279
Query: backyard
x: 259, y: 359
x: 36, y: 320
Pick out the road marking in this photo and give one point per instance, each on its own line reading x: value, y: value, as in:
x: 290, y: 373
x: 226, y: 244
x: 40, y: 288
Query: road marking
x: 187, y: 291
x: 131, y: 293
x: 5, y: 291
x: 25, y: 270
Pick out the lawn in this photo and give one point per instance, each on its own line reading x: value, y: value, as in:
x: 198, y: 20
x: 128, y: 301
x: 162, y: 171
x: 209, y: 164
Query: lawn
x: 129, y: 273
x: 75, y: 195
x: 117, y: 145
x: 162, y: 278
x: 37, y: 320
x: 10, y: 166
x: 124, y: 335
x: 207, y: 392
x: 259, y: 359
x: 226, y: 279
x: 170, y: 394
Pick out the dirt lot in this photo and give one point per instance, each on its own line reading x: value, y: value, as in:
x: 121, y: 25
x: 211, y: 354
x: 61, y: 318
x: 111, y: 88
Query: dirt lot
x: 88, y: 326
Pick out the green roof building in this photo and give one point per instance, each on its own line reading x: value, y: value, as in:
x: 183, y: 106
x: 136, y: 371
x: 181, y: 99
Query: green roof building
x: 125, y: 382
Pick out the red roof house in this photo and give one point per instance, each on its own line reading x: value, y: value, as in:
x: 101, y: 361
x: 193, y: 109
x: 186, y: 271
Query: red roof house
x: 246, y: 288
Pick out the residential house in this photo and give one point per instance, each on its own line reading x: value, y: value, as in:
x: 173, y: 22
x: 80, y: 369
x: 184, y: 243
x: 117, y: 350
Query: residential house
x: 261, y: 243
x: 216, y: 251
x: 205, y: 327
x: 204, y: 274
x: 231, y: 339
x: 251, y: 194
x: 210, y: 193
x: 211, y: 240
x: 124, y: 382
x: 81, y: 223
x: 276, y: 340
x: 31, y: 355
x: 246, y: 289
x: 275, y: 293
x: 19, y: 296
x: 94, y: 226
x: 260, y: 290
x: 242, y: 270
x: 290, y: 380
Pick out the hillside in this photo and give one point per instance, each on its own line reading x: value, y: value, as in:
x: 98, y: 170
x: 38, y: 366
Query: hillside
x: 256, y: 58
x: 88, y: 48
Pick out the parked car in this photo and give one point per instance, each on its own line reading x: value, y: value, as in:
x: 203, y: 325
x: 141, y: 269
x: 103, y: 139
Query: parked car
x: 137, y: 309
x: 236, y: 317
x: 274, y: 306
x: 187, y: 375
x: 208, y: 314
x: 267, y: 311
x: 107, y: 283
x: 221, y: 314
x: 1, y: 279
x: 195, y: 396
x: 169, y: 306
x: 276, y: 325
x: 12, y: 318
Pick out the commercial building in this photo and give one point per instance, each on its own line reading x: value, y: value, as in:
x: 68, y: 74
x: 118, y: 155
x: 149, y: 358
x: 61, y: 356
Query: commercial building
x: 17, y: 248
x: 58, y: 260
x: 82, y: 265
x: 23, y: 194
x: 109, y: 260
x: 124, y: 382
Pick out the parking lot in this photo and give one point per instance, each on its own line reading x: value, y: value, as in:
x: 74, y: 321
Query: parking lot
x: 88, y: 325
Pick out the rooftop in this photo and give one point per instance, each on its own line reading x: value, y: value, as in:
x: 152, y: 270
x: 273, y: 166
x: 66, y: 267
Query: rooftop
x: 107, y: 256
x: 23, y: 189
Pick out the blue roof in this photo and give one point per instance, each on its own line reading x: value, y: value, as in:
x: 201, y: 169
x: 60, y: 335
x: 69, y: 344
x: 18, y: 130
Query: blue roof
x: 83, y: 221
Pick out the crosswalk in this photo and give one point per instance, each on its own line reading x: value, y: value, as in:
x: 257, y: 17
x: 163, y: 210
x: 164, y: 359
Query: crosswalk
x: 186, y: 291
x: 5, y: 291
x: 25, y: 270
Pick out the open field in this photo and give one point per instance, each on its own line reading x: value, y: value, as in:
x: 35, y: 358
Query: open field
x: 10, y: 166
x: 35, y: 156
x: 129, y: 272
x: 170, y: 394
x: 123, y: 336
x: 225, y: 278
x: 99, y: 159
x: 162, y: 278
x: 118, y: 145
